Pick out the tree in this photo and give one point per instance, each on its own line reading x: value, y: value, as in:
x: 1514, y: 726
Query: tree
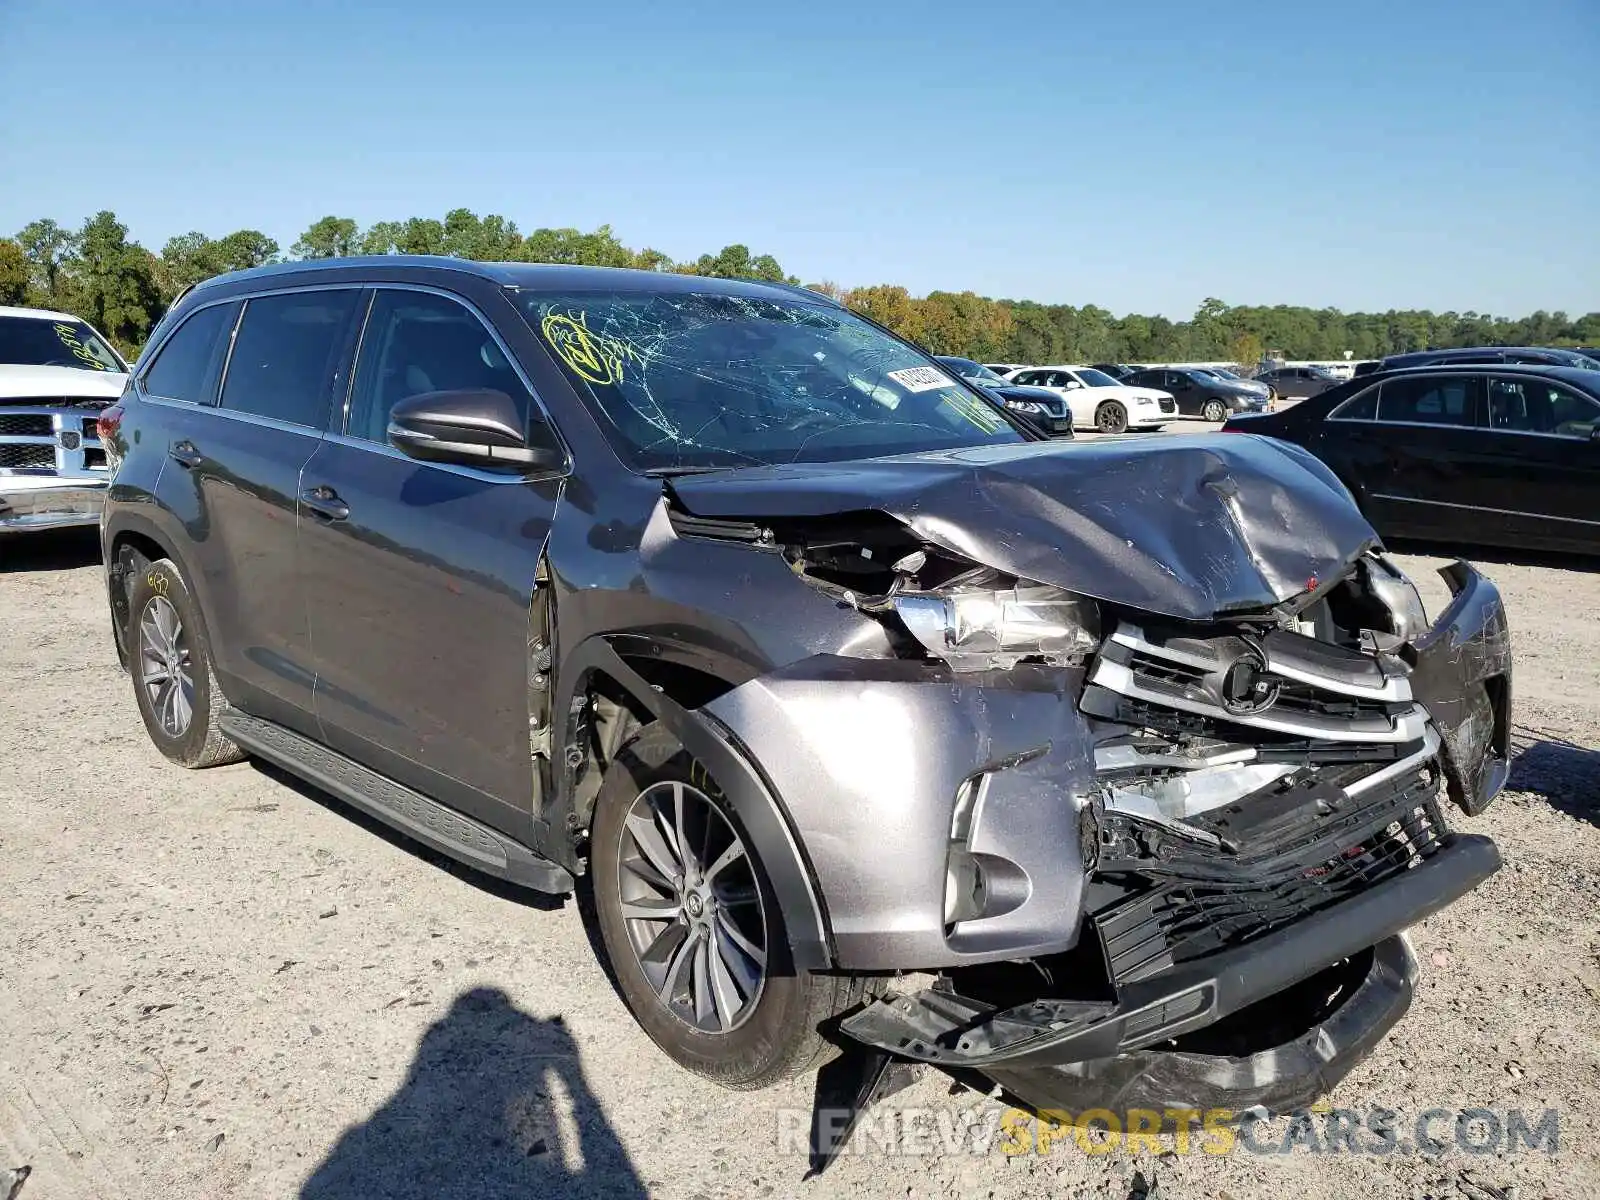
x: 243, y: 249
x: 1245, y: 350
x: 14, y: 272
x: 420, y: 235
x: 486, y: 239
x: 381, y: 238
x: 890, y: 306
x: 47, y: 246
x: 602, y: 248
x: 331, y: 237
x: 652, y: 260
x: 734, y: 262
x: 112, y: 281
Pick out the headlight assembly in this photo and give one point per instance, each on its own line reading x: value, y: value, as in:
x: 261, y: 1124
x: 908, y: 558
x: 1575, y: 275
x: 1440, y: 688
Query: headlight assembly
x: 1388, y: 583
x: 976, y: 630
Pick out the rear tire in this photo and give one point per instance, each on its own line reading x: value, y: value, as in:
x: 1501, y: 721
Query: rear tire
x: 169, y: 661
x: 1111, y: 417
x: 769, y: 1029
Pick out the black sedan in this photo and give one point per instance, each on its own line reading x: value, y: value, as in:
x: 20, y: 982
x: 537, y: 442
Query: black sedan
x: 1298, y: 383
x: 1200, y: 393
x: 1507, y: 455
x: 1117, y: 371
x: 1038, y: 406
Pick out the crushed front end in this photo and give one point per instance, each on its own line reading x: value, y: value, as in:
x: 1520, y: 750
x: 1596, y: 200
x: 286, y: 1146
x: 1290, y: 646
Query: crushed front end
x: 1141, y: 750
x: 1264, y: 820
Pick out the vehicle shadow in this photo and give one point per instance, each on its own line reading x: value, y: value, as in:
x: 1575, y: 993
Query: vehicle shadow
x: 56, y: 550
x: 495, y: 1104
x: 1564, y: 773
x: 470, y: 875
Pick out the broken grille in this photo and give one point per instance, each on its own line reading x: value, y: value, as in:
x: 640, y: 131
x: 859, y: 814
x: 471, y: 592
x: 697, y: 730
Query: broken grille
x: 1206, y: 903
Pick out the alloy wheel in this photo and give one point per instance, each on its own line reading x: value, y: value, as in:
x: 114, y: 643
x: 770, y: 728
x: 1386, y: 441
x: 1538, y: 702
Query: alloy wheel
x: 166, y: 667
x: 692, y: 907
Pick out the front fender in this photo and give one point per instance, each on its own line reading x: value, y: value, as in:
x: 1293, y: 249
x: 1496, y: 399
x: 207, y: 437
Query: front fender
x: 711, y: 742
x: 868, y: 758
x: 1462, y: 675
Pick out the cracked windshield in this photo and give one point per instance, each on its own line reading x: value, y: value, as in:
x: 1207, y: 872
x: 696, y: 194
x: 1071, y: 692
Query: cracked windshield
x: 691, y: 380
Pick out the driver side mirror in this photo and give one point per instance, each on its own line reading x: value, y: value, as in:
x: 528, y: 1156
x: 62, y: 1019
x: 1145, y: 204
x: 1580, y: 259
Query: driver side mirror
x: 472, y: 428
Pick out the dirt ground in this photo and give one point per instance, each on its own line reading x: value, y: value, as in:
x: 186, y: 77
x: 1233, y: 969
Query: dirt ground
x: 223, y: 984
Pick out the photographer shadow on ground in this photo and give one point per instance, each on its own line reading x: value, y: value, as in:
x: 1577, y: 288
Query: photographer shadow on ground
x: 495, y: 1104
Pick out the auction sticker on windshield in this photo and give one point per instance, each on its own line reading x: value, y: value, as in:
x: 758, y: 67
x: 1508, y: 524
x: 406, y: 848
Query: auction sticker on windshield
x: 921, y: 379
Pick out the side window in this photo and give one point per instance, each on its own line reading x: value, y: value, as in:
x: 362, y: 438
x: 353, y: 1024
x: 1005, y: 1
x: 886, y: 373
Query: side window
x: 1361, y: 408
x: 1429, y: 400
x: 1025, y: 377
x: 1536, y: 406
x: 419, y: 342
x: 187, y: 365
x: 285, y: 355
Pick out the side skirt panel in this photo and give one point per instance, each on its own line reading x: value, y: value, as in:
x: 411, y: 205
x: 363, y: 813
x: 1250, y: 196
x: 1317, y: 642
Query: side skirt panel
x: 418, y: 816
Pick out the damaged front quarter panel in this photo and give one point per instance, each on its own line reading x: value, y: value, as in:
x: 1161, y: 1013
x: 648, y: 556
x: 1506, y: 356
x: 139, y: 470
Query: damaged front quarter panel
x: 1162, y: 736
x: 1462, y: 675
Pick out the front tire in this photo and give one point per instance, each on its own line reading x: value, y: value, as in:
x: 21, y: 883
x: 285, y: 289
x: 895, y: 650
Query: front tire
x: 1214, y: 411
x: 1111, y: 417
x: 169, y: 661
x: 693, y: 930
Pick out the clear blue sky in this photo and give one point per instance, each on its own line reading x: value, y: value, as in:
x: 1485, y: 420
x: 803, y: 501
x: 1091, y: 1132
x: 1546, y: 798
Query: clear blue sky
x: 1142, y: 156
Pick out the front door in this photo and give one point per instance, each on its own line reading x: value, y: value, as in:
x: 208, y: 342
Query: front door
x: 1540, y: 464
x: 418, y: 576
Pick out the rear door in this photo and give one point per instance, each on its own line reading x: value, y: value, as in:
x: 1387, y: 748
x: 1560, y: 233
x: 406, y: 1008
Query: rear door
x: 233, y: 473
x: 1541, y: 463
x: 1429, y: 441
x: 418, y: 576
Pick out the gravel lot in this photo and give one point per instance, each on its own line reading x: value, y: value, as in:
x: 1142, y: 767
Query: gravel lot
x: 225, y: 984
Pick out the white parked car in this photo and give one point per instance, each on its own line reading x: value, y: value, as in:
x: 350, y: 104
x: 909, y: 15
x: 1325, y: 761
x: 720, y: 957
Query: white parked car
x: 1098, y: 401
x: 56, y: 375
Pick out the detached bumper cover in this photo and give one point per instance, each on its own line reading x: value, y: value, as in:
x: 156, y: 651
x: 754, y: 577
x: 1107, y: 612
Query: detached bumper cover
x: 30, y: 502
x: 1462, y: 675
x: 1279, y: 1078
x: 939, y: 1027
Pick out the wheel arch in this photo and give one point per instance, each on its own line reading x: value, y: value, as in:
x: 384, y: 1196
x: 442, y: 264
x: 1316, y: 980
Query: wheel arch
x: 131, y: 544
x: 655, y: 682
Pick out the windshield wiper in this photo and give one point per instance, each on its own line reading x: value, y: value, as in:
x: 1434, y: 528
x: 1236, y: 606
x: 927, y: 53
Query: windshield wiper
x: 670, y: 472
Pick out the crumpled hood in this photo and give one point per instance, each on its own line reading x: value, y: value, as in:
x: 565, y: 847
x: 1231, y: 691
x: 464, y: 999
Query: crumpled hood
x: 19, y: 382
x: 1186, y: 527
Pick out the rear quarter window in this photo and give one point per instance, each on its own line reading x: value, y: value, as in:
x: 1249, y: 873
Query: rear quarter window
x: 185, y: 368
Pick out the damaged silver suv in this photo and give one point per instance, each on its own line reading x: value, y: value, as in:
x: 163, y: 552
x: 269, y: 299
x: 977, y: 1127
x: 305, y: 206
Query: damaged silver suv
x: 820, y: 668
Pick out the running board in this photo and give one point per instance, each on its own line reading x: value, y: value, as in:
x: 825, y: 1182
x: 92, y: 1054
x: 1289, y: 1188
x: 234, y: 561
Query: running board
x: 418, y: 816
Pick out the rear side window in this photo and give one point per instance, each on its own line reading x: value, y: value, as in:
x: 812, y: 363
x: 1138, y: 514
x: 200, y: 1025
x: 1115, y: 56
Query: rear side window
x: 1536, y: 406
x: 419, y: 342
x: 285, y: 355
x: 1429, y: 400
x: 186, y: 367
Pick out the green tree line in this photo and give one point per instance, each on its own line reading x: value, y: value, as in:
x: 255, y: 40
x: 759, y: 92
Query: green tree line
x: 122, y: 288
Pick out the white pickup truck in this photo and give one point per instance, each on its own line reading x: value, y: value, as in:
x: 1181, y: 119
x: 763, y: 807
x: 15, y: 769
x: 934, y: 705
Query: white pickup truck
x: 56, y: 375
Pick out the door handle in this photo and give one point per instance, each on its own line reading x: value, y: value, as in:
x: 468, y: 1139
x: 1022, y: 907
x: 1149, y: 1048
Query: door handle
x: 325, y: 502
x: 184, y: 454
